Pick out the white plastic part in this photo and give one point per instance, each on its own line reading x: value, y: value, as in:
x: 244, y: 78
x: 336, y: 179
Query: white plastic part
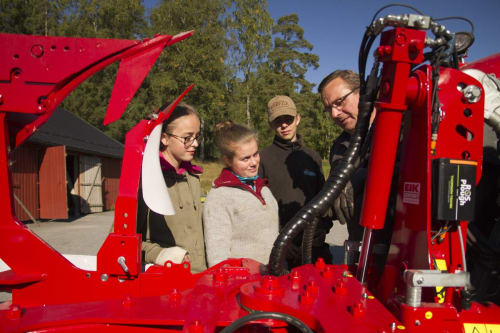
x: 3, y: 266
x: 491, y: 92
x: 86, y: 262
x: 154, y: 189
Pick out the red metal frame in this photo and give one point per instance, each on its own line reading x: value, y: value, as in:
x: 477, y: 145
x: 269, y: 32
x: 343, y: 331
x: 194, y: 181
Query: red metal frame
x: 50, y: 294
x: 397, y: 59
x: 411, y: 241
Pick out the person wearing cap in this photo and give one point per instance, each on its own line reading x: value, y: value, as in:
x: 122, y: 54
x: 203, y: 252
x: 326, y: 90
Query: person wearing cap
x: 294, y: 173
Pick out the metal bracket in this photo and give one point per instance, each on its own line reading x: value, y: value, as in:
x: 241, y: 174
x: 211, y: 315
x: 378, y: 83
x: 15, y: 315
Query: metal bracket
x: 417, y: 279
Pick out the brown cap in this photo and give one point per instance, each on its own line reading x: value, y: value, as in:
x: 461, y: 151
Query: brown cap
x: 280, y: 106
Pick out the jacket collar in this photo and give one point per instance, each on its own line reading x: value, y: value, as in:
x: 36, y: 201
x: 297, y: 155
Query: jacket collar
x: 228, y: 179
x: 286, y: 144
x: 184, y: 167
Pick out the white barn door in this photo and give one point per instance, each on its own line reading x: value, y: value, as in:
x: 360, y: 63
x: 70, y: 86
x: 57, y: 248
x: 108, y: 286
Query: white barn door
x: 90, y: 184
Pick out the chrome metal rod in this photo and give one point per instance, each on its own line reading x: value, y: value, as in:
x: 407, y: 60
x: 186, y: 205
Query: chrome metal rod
x: 366, y: 250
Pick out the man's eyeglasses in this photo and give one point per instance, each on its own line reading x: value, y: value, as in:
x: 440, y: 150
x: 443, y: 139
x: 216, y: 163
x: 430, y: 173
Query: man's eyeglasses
x: 339, y: 102
x: 187, y: 140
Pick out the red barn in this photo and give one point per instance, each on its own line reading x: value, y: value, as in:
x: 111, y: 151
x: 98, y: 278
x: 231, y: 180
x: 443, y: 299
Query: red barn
x: 67, y: 168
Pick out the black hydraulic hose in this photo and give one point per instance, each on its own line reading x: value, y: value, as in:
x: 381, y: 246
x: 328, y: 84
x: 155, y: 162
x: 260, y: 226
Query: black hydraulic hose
x: 334, y: 184
x: 363, y: 57
x: 322, y: 201
x: 268, y: 315
x: 309, y: 232
x: 307, y: 242
x: 456, y: 18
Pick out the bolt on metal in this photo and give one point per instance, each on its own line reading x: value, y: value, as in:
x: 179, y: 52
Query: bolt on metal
x: 472, y: 93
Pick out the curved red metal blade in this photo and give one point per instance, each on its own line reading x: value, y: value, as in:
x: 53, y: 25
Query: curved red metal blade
x: 131, y: 73
x: 165, y: 113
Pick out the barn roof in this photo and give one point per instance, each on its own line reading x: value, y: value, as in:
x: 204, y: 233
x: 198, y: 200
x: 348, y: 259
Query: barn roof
x: 65, y: 128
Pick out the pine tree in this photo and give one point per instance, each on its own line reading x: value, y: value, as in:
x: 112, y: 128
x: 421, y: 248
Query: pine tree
x: 291, y: 57
x: 285, y: 71
x: 229, y: 60
x: 250, y: 29
x: 32, y: 17
x: 122, y: 19
x: 198, y: 60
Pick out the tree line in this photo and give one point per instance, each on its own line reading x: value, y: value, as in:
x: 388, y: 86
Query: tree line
x: 238, y: 59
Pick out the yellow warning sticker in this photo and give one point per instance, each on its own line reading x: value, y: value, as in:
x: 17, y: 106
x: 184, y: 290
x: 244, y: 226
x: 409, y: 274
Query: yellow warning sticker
x: 475, y: 328
x: 492, y: 328
x: 481, y: 328
x: 440, y: 291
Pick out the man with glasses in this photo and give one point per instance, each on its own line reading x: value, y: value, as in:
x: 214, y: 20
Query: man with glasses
x: 340, y: 96
x: 294, y: 173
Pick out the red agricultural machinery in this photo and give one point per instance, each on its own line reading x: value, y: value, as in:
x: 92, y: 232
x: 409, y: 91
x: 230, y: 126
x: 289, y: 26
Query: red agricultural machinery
x: 427, y: 107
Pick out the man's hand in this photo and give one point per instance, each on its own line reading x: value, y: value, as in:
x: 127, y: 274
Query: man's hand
x: 319, y: 237
x: 344, y: 204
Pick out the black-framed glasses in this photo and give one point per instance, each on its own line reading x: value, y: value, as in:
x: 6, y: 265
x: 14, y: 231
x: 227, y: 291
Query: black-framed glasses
x: 187, y: 140
x: 339, y: 102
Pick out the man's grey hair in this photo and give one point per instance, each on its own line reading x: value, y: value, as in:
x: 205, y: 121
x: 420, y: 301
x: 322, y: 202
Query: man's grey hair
x: 351, y: 78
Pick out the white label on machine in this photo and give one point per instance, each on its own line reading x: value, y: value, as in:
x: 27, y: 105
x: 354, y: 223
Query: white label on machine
x: 411, y: 193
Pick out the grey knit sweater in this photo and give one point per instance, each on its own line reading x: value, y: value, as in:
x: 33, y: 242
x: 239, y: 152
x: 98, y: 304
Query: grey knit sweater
x: 239, y: 222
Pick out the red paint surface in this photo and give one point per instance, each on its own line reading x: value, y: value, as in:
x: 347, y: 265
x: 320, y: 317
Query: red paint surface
x: 50, y: 294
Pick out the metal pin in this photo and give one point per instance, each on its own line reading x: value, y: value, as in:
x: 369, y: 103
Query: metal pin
x: 121, y: 261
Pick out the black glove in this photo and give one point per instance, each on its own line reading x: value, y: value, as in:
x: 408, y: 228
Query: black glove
x: 344, y: 204
x: 319, y: 237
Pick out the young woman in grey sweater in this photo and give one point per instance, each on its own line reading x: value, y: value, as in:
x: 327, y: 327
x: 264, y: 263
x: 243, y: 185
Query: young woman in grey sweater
x: 240, y: 214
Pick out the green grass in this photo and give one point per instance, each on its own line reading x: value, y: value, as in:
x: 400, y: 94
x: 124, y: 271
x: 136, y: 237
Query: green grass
x: 326, y: 168
x: 211, y: 170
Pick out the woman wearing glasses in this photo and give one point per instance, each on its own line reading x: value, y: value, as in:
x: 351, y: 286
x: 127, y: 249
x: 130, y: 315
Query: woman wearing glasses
x: 240, y: 214
x: 177, y: 238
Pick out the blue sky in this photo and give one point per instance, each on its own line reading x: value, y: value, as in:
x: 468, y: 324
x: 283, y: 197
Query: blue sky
x: 335, y: 27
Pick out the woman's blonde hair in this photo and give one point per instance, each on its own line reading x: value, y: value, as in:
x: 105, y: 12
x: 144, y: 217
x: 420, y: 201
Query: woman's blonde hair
x: 228, y: 135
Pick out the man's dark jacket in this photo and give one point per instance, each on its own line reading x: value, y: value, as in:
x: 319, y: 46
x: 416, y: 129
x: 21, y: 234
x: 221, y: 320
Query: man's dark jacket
x: 358, y: 180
